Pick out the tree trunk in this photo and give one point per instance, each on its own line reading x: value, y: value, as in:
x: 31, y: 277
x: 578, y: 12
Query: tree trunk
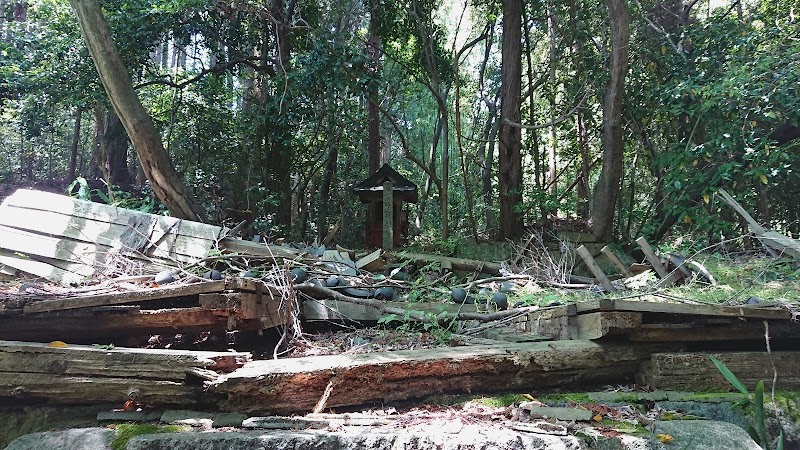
x: 373, y: 113
x: 158, y: 168
x: 510, y: 137
x: 608, y: 186
x: 73, y: 149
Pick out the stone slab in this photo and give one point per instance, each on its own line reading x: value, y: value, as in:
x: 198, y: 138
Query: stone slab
x: 71, y: 439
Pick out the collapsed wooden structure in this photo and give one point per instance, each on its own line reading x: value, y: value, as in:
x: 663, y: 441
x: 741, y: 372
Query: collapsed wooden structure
x: 104, y: 259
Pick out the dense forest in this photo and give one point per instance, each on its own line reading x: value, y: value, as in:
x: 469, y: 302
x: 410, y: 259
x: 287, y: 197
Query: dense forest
x: 623, y: 117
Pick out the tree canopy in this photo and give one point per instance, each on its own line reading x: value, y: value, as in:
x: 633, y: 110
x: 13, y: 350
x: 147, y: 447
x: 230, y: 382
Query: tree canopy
x: 621, y: 117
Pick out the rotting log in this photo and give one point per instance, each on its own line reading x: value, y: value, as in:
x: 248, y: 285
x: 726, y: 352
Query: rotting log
x: 296, y: 385
x: 468, y: 265
x: 696, y: 371
x: 119, y: 298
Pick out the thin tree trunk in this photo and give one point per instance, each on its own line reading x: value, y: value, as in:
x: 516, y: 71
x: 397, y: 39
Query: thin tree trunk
x: 164, y: 180
x: 608, y: 186
x: 552, y: 149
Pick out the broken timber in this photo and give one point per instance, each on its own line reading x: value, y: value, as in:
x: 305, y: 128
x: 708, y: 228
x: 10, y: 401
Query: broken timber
x: 659, y: 322
x: 66, y: 240
x: 771, y: 239
x: 89, y: 375
x: 296, y: 385
x: 695, y: 371
x: 211, y: 306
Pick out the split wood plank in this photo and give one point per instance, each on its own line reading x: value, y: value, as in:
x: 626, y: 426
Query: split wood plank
x: 108, y: 236
x: 244, y: 305
x: 46, y: 201
x: 128, y: 327
x: 583, y: 252
x: 752, y: 312
x: 696, y: 371
x: 468, y: 265
x: 119, y: 298
x: 83, y: 390
x: 40, y: 269
x: 295, y: 385
x: 699, y: 331
x: 29, y: 357
x: 772, y: 239
x: 616, y: 261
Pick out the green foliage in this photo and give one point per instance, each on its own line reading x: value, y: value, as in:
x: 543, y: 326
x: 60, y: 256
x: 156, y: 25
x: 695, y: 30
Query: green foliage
x: 754, y: 402
x: 127, y: 431
x: 439, y: 325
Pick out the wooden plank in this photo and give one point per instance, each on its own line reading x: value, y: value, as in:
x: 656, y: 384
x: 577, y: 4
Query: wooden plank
x: 119, y: 298
x: 104, y: 234
x: 40, y: 269
x: 743, y: 311
x: 295, y: 385
x: 121, y: 327
x: 46, y: 201
x: 772, y: 239
x: 80, y: 390
x: 583, y: 252
x: 695, y: 372
x: 616, y: 261
x: 700, y: 331
x: 232, y: 245
x: 36, y: 244
x: 754, y: 226
x: 30, y: 357
x: 655, y: 261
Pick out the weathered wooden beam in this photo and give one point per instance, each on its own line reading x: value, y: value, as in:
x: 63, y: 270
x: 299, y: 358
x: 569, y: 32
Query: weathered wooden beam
x: 583, y: 252
x: 68, y: 206
x: 295, y: 385
x: 616, y: 261
x: 87, y: 390
x: 247, y: 305
x: 655, y: 261
x: 119, y: 298
x: 695, y: 371
x: 38, y: 268
x: 469, y: 265
x: 232, y: 245
x: 76, y: 360
x: 743, y: 311
x: 119, y: 327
